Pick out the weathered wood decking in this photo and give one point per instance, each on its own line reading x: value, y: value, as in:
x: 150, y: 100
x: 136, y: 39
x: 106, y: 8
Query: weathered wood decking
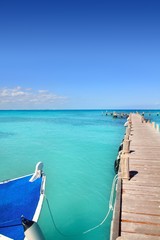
x: 140, y: 196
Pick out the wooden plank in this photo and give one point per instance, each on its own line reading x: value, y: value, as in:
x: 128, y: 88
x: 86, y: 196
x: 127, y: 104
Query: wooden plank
x: 145, y: 169
x: 136, y: 192
x: 148, y: 161
x: 151, y: 182
x: 148, y: 229
x: 144, y: 188
x: 138, y: 153
x: 134, y: 236
x: 141, y: 218
x: 133, y: 197
x: 133, y: 208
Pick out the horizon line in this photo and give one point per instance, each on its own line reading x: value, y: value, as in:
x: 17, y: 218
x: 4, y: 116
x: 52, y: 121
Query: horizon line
x: 87, y: 109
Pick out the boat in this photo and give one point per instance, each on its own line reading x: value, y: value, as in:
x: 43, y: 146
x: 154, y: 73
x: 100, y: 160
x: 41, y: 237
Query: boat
x: 21, y: 199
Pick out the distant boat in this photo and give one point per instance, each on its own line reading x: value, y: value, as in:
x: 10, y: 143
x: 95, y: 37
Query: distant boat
x: 19, y: 197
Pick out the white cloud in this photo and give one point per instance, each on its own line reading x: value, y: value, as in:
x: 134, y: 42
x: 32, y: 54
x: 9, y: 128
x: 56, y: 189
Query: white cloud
x: 11, y: 92
x: 4, y: 93
x: 19, y: 97
x: 18, y: 93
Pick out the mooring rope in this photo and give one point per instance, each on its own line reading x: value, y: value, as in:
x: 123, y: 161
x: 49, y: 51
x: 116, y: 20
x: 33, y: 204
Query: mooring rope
x: 95, y: 227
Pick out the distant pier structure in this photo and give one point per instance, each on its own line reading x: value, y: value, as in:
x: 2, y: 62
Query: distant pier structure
x: 115, y: 114
x: 136, y: 213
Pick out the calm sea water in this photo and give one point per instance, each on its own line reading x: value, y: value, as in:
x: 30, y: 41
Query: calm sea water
x: 78, y: 149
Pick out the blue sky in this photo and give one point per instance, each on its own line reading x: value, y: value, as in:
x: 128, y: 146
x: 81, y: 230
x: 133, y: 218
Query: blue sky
x: 79, y: 54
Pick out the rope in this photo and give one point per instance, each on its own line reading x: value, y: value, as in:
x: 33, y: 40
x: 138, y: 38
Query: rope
x: 95, y: 227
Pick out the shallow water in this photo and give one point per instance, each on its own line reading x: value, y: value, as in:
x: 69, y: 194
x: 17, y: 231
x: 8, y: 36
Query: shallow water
x: 78, y: 149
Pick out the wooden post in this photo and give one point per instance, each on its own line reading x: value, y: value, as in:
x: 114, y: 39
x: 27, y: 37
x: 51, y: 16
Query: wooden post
x: 153, y: 124
x: 129, y: 123
x: 128, y: 130
x: 126, y: 137
x: 129, y: 118
x: 115, y: 224
x: 125, y: 167
x: 157, y: 127
x: 126, y: 146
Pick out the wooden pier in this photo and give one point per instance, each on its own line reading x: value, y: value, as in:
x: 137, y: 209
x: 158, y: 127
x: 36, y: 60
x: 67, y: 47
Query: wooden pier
x: 136, y: 214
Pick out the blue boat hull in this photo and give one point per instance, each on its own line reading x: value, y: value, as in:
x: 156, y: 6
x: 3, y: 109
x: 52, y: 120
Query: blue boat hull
x: 18, y: 197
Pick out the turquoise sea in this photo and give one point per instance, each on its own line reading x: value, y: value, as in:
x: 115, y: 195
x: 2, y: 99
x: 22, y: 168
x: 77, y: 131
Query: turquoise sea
x: 78, y: 149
